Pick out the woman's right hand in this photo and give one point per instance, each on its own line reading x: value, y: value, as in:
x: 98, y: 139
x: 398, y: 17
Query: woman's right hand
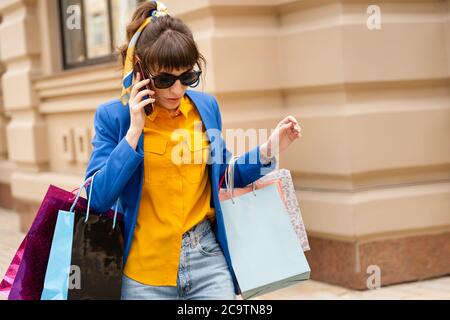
x: 137, y: 112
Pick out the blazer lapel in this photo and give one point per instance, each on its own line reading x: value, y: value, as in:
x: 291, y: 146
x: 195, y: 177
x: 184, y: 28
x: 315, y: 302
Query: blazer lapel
x: 202, y: 108
x: 208, y: 119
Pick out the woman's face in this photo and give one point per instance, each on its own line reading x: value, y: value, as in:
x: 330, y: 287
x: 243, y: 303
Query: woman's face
x: 170, y: 98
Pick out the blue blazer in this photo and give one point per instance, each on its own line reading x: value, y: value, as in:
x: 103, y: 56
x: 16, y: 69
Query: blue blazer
x: 120, y: 168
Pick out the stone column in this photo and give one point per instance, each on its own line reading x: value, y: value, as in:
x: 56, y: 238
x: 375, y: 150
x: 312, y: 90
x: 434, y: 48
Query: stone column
x: 26, y: 131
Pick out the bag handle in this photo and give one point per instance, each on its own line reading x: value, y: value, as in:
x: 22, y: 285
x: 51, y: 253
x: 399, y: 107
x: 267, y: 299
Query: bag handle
x: 225, y: 175
x: 229, y: 179
x: 83, y: 186
x: 80, y: 189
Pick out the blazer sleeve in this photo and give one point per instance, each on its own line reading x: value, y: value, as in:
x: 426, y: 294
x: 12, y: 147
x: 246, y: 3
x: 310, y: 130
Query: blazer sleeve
x: 112, y: 159
x: 248, y: 167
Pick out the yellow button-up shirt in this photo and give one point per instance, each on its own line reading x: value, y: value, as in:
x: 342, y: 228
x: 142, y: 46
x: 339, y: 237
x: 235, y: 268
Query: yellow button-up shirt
x: 176, y: 193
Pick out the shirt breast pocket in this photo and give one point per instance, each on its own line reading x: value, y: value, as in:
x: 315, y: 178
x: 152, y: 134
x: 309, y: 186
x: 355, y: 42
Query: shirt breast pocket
x: 200, y: 154
x: 156, y: 160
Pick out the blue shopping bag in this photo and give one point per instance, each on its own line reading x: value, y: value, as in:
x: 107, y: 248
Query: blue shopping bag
x: 57, y: 276
x: 264, y: 249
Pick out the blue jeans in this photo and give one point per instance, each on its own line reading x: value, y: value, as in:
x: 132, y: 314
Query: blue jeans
x: 203, y: 273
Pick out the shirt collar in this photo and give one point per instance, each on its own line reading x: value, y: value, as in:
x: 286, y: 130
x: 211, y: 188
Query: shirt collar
x: 185, y: 108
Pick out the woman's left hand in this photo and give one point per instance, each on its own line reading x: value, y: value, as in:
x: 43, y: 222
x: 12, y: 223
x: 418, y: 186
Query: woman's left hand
x: 287, y: 131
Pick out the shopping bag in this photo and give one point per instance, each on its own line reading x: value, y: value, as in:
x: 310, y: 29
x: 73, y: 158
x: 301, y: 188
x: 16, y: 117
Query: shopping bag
x: 11, y: 272
x: 56, y: 282
x: 24, y: 279
x: 97, y: 255
x: 283, y: 180
x: 264, y: 249
x: 86, y: 256
x: 35, y: 248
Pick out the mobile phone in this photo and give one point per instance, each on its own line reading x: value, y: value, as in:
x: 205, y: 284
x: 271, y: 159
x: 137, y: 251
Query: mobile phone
x: 148, y: 108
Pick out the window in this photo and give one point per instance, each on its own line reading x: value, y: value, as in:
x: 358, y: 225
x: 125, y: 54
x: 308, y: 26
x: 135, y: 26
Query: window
x: 92, y: 29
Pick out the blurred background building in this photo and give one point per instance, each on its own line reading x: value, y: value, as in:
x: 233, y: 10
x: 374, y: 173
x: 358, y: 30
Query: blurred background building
x: 369, y: 85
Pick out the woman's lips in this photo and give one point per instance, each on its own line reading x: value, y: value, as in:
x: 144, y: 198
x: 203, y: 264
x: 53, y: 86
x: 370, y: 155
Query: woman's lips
x: 174, y: 100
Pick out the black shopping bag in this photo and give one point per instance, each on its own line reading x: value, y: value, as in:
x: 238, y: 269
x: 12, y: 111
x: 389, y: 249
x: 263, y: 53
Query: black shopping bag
x: 97, y: 258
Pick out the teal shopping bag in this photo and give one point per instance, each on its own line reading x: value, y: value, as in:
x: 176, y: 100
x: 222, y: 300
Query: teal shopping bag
x: 264, y: 249
x: 57, y: 276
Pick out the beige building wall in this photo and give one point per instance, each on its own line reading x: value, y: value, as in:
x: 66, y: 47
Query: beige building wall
x: 372, y: 170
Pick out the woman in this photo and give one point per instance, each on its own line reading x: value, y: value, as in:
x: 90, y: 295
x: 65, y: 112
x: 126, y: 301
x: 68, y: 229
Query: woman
x: 174, y: 234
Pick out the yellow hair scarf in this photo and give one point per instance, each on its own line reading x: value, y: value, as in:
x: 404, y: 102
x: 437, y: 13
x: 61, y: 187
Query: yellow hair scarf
x: 127, y: 74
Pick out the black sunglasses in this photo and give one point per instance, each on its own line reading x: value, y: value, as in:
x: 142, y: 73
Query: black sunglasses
x: 189, y: 78
x: 165, y: 80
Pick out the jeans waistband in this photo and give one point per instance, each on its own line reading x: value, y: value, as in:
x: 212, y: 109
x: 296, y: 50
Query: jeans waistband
x: 197, y: 232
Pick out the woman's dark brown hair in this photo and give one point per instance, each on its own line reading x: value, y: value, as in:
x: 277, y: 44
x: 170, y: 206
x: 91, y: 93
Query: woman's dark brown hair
x: 166, y: 43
